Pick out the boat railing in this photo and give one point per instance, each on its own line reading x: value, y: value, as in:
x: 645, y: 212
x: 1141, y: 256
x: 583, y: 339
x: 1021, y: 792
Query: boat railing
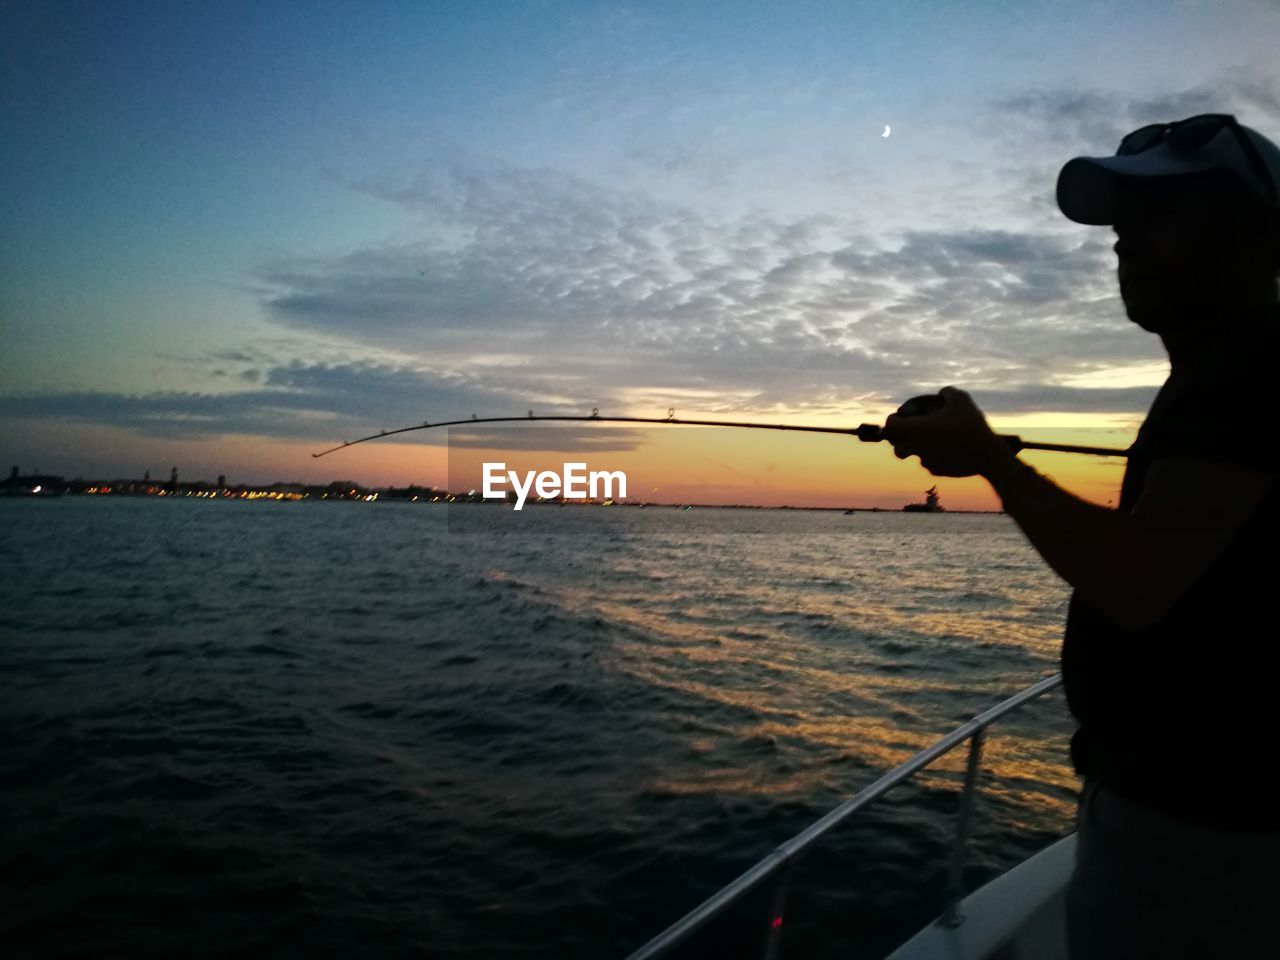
x: 785, y: 855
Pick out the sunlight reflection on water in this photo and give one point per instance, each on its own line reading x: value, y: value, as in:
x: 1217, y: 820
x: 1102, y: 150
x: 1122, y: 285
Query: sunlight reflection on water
x: 452, y: 742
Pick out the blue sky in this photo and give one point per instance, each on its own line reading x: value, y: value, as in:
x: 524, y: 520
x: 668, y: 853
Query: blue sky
x: 238, y: 221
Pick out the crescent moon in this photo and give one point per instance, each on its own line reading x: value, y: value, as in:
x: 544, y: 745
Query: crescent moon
x: 886, y: 131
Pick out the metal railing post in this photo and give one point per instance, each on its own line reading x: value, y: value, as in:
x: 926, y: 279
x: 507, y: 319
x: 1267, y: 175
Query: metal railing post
x: 951, y: 916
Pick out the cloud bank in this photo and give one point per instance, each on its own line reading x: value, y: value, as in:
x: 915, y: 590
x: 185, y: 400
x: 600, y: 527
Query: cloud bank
x: 538, y: 288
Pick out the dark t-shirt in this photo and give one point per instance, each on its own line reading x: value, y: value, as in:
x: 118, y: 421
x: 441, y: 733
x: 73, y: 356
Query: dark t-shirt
x: 1184, y: 715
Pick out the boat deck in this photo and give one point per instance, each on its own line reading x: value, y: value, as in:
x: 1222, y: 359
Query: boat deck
x: 1020, y: 915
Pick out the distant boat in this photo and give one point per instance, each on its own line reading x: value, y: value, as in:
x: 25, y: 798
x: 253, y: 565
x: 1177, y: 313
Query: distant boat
x: 930, y: 505
x: 850, y: 513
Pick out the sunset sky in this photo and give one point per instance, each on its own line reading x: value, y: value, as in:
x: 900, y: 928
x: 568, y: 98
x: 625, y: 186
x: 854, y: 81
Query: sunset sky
x: 235, y: 233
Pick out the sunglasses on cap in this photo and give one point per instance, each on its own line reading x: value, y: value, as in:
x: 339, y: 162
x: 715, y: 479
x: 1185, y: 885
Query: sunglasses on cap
x: 1192, y: 134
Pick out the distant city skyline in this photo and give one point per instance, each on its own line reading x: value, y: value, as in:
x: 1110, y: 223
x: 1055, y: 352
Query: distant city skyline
x: 238, y: 233
x: 37, y: 484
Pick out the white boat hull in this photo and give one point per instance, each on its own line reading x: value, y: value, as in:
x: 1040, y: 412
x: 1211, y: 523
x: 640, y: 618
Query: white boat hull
x: 1020, y: 915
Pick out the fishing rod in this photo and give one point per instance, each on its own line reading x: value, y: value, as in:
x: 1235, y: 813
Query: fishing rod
x: 867, y: 432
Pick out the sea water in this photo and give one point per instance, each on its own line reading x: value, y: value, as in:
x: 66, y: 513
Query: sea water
x: 346, y: 729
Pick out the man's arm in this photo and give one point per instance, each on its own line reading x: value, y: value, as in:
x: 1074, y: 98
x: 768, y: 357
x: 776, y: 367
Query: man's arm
x: 1133, y: 567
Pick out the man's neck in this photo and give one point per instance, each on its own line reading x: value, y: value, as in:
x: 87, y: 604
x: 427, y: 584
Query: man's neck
x: 1206, y: 341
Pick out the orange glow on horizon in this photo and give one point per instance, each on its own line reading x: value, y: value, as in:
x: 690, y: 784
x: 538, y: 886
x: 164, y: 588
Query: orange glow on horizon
x: 694, y: 465
x: 709, y: 465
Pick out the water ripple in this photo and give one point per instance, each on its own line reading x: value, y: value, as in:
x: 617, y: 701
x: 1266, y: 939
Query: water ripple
x: 238, y: 727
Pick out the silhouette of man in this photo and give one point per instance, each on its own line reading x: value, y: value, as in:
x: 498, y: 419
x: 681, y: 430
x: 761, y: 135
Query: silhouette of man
x: 1170, y: 654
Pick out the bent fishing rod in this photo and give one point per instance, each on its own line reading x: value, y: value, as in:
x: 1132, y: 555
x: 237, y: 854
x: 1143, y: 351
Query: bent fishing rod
x: 867, y: 432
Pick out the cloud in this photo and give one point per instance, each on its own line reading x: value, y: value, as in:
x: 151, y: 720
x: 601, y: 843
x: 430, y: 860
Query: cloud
x: 296, y: 400
x: 1093, y: 121
x: 819, y: 330
x: 585, y: 292
x: 531, y: 288
x: 534, y: 287
x: 1051, y: 399
x: 535, y: 436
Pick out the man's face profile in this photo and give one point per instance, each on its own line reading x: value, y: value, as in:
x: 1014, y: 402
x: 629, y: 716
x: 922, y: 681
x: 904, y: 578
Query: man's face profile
x: 1181, y: 244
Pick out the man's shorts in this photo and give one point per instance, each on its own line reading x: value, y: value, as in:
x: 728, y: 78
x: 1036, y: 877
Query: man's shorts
x: 1147, y: 884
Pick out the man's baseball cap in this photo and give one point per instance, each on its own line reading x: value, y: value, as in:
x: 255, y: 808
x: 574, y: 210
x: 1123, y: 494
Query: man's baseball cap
x: 1088, y: 187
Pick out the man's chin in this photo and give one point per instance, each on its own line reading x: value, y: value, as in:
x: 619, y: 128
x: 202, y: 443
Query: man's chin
x: 1150, y: 307
x: 1149, y: 320
x: 1145, y: 313
x: 1160, y: 316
